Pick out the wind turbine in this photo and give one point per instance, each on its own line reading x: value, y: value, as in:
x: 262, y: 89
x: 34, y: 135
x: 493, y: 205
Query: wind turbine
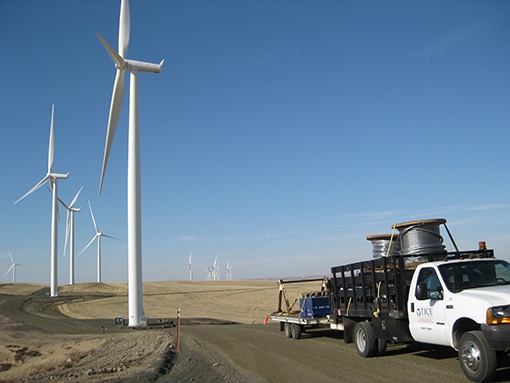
x: 228, y: 271
x: 136, y: 313
x: 52, y: 179
x: 98, y: 235
x: 70, y: 233
x: 215, y: 271
x: 190, y: 267
x: 13, y: 268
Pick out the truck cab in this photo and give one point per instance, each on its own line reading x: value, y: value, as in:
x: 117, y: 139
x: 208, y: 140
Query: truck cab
x: 468, y: 290
x: 464, y: 304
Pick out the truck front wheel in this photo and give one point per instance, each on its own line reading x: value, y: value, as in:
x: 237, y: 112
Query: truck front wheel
x: 477, y: 360
x: 366, y: 344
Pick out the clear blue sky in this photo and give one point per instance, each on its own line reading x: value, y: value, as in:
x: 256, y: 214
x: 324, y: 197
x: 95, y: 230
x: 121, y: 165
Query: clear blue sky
x: 278, y: 136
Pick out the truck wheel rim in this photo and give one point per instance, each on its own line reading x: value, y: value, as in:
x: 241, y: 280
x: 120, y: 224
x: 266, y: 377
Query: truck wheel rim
x: 361, y: 340
x: 471, y: 356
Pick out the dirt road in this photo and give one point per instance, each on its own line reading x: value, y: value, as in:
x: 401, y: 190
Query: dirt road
x: 322, y: 356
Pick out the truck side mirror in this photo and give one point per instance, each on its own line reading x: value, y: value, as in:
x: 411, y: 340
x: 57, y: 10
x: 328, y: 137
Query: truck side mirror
x: 421, y: 291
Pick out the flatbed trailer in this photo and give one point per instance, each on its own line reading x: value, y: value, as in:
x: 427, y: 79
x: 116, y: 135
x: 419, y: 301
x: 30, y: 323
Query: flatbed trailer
x: 314, y: 309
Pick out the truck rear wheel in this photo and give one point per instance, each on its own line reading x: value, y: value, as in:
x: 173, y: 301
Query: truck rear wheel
x: 381, y: 346
x: 477, y: 360
x: 349, y: 326
x: 366, y: 344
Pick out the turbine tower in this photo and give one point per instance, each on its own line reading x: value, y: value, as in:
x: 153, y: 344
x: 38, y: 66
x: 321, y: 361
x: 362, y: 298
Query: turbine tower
x: 98, y: 235
x: 52, y: 179
x: 136, y: 313
x: 190, y: 267
x: 13, y: 268
x: 70, y: 232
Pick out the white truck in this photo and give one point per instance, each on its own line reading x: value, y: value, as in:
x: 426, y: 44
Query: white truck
x: 459, y: 299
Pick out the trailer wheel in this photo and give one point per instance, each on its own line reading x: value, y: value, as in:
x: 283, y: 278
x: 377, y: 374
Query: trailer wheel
x: 366, y: 344
x: 477, y: 360
x: 295, y: 330
x: 288, y: 332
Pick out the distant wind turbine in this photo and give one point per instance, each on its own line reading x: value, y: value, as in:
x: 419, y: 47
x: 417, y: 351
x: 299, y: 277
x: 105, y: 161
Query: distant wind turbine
x: 70, y: 232
x: 136, y: 313
x: 228, y: 272
x: 52, y: 179
x: 215, y: 269
x: 13, y: 268
x: 98, y: 235
x: 190, y: 267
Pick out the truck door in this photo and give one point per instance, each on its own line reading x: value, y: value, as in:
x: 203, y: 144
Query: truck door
x: 427, y: 308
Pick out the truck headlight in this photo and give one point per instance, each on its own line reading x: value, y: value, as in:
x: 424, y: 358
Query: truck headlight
x: 498, y: 315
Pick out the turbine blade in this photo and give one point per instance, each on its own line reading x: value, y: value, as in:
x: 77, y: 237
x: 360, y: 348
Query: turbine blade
x: 10, y: 255
x: 93, y: 219
x: 75, y: 198
x: 120, y: 63
x: 37, y: 186
x: 113, y: 119
x: 109, y: 236
x: 68, y: 227
x: 7, y: 272
x: 124, y: 28
x: 51, y: 145
x: 61, y: 202
x: 88, y: 244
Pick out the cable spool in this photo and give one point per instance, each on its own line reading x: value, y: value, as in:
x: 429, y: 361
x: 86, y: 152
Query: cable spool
x: 381, y: 245
x: 421, y: 237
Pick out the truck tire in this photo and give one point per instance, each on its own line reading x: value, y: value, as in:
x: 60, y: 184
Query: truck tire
x: 477, y: 360
x: 381, y: 346
x: 288, y: 332
x: 349, y: 326
x: 366, y: 344
x: 295, y: 330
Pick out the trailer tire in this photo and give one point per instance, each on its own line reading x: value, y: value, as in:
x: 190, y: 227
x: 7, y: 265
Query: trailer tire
x: 288, y: 332
x: 477, y: 360
x: 295, y: 330
x: 366, y: 344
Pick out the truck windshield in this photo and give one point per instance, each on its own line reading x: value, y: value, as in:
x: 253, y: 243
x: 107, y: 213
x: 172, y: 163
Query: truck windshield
x: 463, y: 275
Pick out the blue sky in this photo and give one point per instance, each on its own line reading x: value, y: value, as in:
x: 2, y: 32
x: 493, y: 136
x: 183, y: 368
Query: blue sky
x: 277, y: 137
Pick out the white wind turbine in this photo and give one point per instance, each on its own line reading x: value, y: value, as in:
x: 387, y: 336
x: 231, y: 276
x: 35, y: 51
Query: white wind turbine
x: 98, y: 235
x: 52, y: 179
x: 215, y: 269
x: 70, y: 232
x: 190, y: 267
x: 136, y: 313
x: 228, y: 271
x: 13, y: 268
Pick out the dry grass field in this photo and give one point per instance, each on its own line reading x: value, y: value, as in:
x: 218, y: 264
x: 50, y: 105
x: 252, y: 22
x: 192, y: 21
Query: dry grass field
x: 246, y: 301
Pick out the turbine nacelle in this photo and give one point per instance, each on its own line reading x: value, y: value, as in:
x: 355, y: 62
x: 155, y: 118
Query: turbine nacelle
x: 58, y: 175
x: 140, y: 66
x: 131, y: 65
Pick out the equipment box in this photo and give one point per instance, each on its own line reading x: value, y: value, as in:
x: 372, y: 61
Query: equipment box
x: 314, y: 307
